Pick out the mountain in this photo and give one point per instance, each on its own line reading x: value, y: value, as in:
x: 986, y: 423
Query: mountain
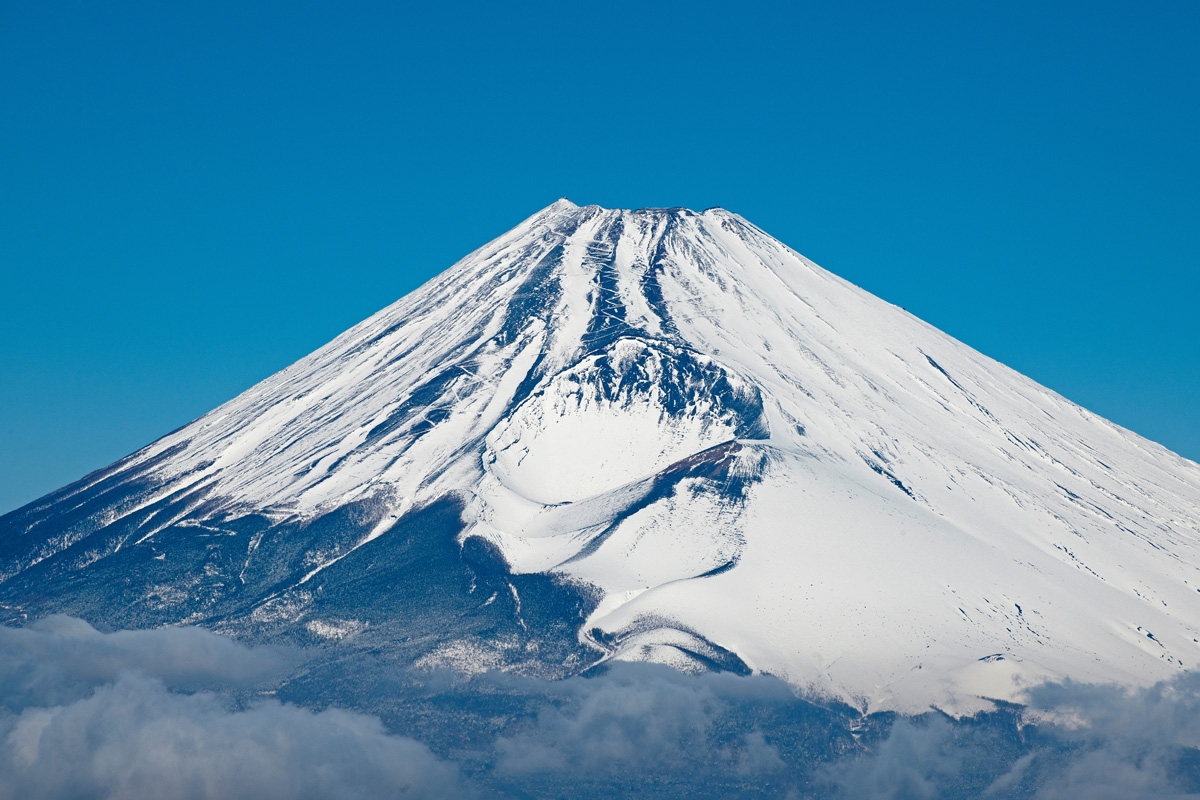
x: 654, y: 435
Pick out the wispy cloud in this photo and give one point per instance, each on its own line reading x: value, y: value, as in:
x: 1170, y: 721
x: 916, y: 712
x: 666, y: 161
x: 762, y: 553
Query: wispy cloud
x: 1072, y: 742
x: 1125, y: 745
x: 182, y: 712
x: 59, y: 659
x: 910, y: 763
x: 91, y: 715
x: 642, y: 717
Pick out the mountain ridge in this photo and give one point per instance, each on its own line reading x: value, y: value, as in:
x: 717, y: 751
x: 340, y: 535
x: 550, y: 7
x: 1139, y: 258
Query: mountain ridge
x: 693, y: 445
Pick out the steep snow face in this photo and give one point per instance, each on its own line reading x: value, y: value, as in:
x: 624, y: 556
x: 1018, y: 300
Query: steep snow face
x: 621, y: 414
x: 742, y: 460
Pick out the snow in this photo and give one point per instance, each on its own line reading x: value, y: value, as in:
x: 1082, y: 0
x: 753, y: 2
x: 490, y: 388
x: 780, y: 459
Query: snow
x: 740, y: 451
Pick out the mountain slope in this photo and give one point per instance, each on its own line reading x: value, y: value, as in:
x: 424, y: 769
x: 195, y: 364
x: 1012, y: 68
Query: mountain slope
x: 651, y: 435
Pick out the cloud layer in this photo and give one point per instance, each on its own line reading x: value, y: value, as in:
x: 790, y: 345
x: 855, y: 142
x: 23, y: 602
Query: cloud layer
x: 92, y: 715
x: 184, y: 713
x: 644, y: 718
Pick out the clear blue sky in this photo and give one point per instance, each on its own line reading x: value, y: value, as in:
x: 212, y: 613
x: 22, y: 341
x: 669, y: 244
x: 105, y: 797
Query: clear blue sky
x: 190, y: 199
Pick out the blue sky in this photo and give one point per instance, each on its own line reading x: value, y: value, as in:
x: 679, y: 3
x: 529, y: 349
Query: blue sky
x: 190, y: 199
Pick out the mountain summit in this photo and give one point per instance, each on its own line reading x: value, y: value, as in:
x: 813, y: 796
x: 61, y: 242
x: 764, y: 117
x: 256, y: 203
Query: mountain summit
x: 654, y: 435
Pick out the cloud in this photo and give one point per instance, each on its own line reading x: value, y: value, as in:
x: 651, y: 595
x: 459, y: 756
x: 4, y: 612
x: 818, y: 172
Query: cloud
x: 93, y: 715
x: 1125, y: 745
x: 182, y: 712
x: 1072, y: 742
x: 60, y: 659
x: 634, y: 719
x: 642, y: 718
x: 134, y: 738
x: 909, y: 763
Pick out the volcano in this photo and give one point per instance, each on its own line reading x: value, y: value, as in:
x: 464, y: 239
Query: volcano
x: 646, y: 435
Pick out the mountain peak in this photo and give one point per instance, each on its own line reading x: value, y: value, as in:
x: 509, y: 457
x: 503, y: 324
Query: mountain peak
x: 561, y: 204
x: 564, y: 205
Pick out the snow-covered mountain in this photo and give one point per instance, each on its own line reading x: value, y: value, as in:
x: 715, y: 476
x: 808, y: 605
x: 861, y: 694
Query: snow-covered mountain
x: 648, y: 435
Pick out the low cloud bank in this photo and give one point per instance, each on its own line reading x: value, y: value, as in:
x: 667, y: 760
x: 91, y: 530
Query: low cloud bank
x: 184, y: 713
x: 645, y: 718
x: 642, y: 730
x: 1138, y: 744
x: 91, y: 715
x: 61, y: 659
x: 1072, y: 742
